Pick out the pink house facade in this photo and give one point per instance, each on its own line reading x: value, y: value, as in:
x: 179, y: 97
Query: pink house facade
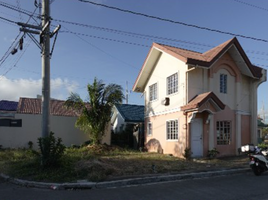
x: 199, y: 101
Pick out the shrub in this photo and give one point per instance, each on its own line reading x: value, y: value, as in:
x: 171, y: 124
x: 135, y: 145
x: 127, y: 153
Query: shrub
x: 51, y: 150
x: 263, y: 145
x: 30, y: 145
x: 213, y: 153
x: 187, y: 153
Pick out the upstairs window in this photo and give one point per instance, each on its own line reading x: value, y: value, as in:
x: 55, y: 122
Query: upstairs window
x: 153, y: 92
x: 223, y: 83
x: 172, y: 84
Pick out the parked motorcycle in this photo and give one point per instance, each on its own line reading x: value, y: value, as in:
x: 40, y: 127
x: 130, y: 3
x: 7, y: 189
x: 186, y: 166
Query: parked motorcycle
x: 258, y: 158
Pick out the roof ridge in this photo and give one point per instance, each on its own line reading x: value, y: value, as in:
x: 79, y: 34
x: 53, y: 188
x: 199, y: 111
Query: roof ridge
x: 179, y: 48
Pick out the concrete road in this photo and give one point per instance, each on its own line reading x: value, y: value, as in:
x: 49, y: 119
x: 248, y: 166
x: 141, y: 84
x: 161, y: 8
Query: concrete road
x: 242, y: 186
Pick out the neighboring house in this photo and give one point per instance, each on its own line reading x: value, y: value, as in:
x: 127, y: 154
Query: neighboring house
x: 261, y: 126
x: 62, y: 123
x: 125, y: 114
x: 199, y: 101
x: 7, y: 114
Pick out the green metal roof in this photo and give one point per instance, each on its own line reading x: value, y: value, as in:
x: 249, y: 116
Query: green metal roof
x: 131, y: 113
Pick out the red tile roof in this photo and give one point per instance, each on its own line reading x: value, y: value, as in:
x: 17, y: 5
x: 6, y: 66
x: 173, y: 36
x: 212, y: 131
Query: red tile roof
x: 209, y: 57
x: 33, y: 106
x: 200, y: 99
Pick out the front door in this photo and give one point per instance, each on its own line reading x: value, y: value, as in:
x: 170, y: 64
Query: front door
x: 197, y: 137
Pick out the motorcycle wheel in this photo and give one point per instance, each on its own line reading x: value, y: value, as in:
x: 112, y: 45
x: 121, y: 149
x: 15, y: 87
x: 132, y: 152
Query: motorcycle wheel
x: 257, y: 170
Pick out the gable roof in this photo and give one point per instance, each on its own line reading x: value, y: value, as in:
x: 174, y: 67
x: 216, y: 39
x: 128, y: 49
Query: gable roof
x: 33, y: 106
x: 206, y: 59
x: 8, y: 105
x: 201, y: 99
x: 131, y: 113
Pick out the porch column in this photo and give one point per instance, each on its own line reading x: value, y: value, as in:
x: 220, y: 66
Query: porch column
x: 238, y: 131
x: 254, y: 125
x: 239, y: 99
x: 211, y: 134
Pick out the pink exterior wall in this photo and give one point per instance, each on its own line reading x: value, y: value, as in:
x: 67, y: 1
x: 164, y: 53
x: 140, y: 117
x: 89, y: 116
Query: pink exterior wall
x: 157, y: 142
x: 245, y: 129
x: 226, y: 115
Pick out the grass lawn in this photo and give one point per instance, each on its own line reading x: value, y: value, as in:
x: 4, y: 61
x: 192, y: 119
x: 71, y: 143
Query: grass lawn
x: 99, y: 163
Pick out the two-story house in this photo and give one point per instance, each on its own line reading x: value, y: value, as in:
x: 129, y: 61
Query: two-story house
x: 199, y: 101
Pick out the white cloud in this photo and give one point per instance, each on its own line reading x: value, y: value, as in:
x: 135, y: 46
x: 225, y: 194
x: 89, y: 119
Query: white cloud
x: 14, y: 89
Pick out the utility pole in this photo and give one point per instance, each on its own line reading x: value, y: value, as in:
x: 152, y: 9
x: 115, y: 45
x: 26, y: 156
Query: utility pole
x: 126, y: 92
x: 44, y: 45
x: 45, y: 51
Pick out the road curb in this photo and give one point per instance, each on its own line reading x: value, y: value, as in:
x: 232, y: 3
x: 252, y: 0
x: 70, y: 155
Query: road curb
x: 123, y: 182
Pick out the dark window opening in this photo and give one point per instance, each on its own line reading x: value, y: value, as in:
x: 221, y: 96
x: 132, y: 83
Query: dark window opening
x: 11, y: 122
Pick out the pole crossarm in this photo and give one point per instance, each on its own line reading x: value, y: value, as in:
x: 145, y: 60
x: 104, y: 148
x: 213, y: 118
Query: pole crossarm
x: 29, y: 31
x: 29, y: 26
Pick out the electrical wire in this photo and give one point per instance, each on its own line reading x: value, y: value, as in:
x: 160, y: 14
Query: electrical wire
x: 19, y: 7
x: 7, y: 53
x: 174, y: 22
x: 8, y: 20
x: 12, y: 7
x: 251, y: 5
x: 144, y: 36
x: 129, y: 33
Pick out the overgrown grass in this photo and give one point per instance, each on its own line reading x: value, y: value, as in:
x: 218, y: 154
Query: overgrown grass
x: 98, y: 163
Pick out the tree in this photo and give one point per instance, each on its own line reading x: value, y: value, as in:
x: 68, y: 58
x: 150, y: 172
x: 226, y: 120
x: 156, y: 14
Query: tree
x: 95, y: 114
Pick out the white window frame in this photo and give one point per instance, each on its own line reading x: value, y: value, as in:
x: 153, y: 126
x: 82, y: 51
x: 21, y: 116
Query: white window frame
x: 223, y: 83
x: 172, y: 129
x: 153, y: 92
x: 224, y: 132
x: 173, y: 84
x: 149, y: 129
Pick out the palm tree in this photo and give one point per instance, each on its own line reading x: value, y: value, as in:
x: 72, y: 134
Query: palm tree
x: 95, y: 114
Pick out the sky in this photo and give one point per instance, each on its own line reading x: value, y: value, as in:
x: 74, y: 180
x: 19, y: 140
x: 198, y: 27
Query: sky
x: 96, y: 41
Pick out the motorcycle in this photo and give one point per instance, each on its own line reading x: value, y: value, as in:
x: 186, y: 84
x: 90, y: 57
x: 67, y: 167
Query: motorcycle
x: 258, y: 158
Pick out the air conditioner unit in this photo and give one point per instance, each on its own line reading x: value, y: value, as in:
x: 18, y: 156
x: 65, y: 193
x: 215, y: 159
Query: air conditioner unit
x: 166, y: 101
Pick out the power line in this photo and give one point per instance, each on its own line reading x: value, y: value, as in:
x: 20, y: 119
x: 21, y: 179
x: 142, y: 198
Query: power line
x: 8, y: 20
x: 132, y: 34
x: 18, y: 5
x: 174, y: 22
x: 124, y: 32
x: 5, y: 56
x: 12, y: 7
x: 251, y: 5
x: 109, y: 39
x: 94, y: 46
x: 129, y: 33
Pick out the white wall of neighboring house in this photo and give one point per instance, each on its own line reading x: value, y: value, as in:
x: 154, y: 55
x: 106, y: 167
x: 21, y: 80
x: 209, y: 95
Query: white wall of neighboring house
x: 167, y: 65
x: 63, y: 127
x: 119, y: 123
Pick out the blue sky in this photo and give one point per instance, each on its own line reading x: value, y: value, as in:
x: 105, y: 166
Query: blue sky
x: 84, y: 52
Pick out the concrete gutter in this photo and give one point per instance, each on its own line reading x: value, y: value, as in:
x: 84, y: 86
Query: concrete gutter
x: 124, y: 182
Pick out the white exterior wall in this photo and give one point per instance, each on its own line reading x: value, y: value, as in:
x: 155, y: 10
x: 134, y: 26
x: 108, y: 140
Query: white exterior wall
x: 244, y: 101
x: 63, y: 127
x: 198, y: 82
x: 165, y: 67
x: 119, y: 121
x: 229, y: 98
